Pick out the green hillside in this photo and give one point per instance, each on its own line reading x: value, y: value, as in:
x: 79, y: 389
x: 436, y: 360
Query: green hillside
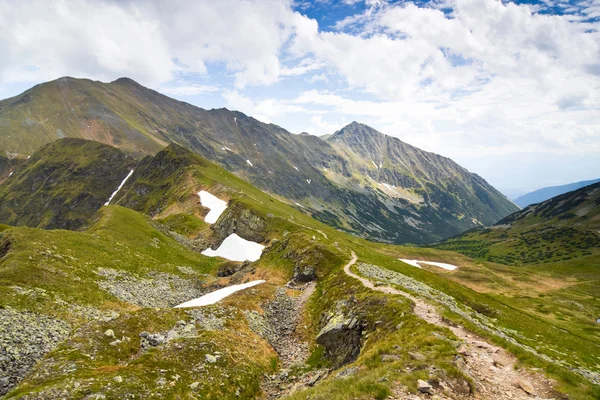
x: 89, y: 313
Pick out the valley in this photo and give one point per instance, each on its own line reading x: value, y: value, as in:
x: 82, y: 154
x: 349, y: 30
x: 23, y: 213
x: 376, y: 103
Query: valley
x: 307, y: 324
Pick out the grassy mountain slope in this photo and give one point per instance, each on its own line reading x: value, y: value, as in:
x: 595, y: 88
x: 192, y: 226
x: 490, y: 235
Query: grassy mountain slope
x: 63, y: 184
x: 300, y: 168
x: 94, y: 292
x: 547, y: 193
x: 562, y: 228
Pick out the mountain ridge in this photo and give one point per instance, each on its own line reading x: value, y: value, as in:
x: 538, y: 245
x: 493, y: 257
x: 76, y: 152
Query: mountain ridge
x: 426, y: 205
x: 543, y: 194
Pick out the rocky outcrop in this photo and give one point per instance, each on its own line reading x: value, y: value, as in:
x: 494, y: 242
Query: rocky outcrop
x: 341, y: 335
x: 241, y: 221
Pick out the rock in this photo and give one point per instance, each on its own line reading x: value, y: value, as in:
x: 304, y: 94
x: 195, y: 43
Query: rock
x: 346, y: 373
x: 109, y: 333
x: 424, y: 387
x: 416, y: 356
x: 305, y: 274
x: 194, y: 385
x: 228, y: 269
x: 341, y: 336
x: 118, y: 379
x: 315, y: 378
x: 464, y: 350
x: 526, y: 386
x: 211, y: 359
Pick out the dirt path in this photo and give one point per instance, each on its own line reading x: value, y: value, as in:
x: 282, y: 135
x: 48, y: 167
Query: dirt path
x: 491, y: 367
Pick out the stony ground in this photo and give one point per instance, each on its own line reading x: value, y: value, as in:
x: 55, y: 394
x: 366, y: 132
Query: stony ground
x: 24, y: 338
x: 279, y: 323
x: 492, y: 368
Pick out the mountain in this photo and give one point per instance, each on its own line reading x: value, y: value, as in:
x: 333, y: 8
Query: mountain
x: 546, y: 193
x: 63, y: 184
x: 417, y: 197
x: 562, y: 228
x: 90, y: 313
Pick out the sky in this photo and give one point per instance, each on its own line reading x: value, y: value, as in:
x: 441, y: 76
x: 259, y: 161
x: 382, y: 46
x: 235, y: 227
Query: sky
x: 509, y: 90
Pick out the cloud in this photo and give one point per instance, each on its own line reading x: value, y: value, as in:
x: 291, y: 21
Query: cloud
x: 188, y: 89
x: 151, y: 41
x: 450, y: 76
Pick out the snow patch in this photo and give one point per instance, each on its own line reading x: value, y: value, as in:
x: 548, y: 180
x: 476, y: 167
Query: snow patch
x: 249, y: 163
x: 235, y: 120
x: 226, y: 148
x: 374, y: 163
x: 380, y: 164
x: 299, y: 205
x: 415, y: 263
x: 213, y: 297
x: 296, y: 168
x: 235, y: 248
x: 119, y: 188
x: 308, y: 181
x: 10, y: 174
x: 216, y: 206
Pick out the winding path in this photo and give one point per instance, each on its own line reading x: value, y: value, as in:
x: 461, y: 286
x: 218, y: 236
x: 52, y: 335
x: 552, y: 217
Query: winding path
x: 491, y: 367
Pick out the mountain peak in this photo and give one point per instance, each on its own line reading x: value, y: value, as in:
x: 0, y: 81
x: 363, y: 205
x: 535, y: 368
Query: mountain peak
x: 125, y: 81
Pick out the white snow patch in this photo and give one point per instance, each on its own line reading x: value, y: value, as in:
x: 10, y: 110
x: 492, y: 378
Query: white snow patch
x: 299, y: 205
x: 249, y: 163
x: 374, y: 163
x: 10, y: 174
x: 308, y: 181
x: 388, y: 186
x: 415, y: 263
x: 216, y: 206
x: 235, y: 120
x: 380, y: 164
x: 213, y: 297
x: 235, y: 248
x: 296, y: 168
x: 119, y: 188
x: 226, y: 148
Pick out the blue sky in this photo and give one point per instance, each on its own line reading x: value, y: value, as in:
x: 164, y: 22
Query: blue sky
x: 493, y: 85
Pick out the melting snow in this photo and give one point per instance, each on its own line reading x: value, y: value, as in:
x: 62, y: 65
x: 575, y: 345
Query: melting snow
x: 235, y: 120
x: 235, y: 248
x: 216, y: 206
x: 213, y: 297
x: 415, y: 263
x: 308, y: 181
x: 299, y: 205
x: 10, y: 174
x: 380, y: 164
x: 226, y: 148
x: 119, y: 188
x: 249, y: 163
x: 374, y: 163
x: 296, y: 168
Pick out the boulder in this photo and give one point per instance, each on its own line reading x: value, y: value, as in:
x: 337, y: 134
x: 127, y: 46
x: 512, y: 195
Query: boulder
x: 526, y: 386
x: 424, y: 387
x: 341, y: 337
x: 305, y: 274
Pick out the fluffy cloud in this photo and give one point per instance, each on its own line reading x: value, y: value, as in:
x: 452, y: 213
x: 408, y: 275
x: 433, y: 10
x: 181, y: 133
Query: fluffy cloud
x: 150, y: 41
x: 454, y: 76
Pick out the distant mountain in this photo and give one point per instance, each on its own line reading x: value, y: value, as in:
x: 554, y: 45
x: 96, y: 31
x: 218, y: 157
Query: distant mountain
x: 63, y: 184
x: 390, y: 192
x: 579, y: 208
x: 561, y: 228
x: 548, y: 192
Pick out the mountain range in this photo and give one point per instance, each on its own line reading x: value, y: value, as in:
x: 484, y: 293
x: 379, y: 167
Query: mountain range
x: 358, y: 180
x: 546, y: 193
